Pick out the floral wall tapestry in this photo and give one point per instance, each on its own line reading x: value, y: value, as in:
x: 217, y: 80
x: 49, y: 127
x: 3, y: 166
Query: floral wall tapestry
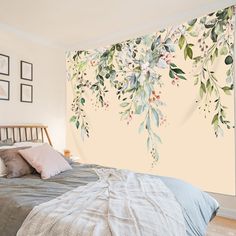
x: 161, y: 103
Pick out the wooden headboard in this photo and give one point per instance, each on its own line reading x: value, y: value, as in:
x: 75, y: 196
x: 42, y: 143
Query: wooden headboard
x: 24, y: 133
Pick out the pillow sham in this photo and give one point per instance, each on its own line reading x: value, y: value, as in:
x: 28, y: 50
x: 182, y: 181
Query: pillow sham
x: 3, y: 169
x: 16, y: 166
x: 47, y: 161
x: 6, y: 142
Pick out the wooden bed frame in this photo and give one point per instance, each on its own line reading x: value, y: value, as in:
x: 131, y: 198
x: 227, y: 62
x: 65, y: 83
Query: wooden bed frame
x: 24, y: 133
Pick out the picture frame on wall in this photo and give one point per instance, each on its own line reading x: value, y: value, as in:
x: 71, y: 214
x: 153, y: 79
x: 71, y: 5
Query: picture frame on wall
x: 4, y: 90
x: 4, y: 64
x: 26, y: 69
x: 26, y: 93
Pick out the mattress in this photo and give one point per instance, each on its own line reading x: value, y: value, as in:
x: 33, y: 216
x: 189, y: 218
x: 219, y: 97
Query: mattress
x: 19, y: 196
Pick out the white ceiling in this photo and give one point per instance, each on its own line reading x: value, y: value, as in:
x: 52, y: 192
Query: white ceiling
x: 84, y: 24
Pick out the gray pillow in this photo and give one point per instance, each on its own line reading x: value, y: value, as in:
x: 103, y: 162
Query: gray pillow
x: 15, y: 164
x: 6, y: 142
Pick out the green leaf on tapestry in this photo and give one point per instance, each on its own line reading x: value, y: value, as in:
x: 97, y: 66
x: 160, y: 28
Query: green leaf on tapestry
x: 137, y: 69
x: 196, y: 81
x: 79, y: 86
x: 141, y: 127
x: 203, y: 20
x: 73, y: 119
x: 228, y: 73
x: 223, y: 113
x: 192, y: 22
x: 138, y: 40
x: 197, y: 59
x: 214, y: 36
x: 82, y: 101
x: 124, y: 104
x: 230, y: 12
x: 228, y: 60
x: 155, y: 116
x: 181, y: 41
x: 169, y: 45
x: 222, y: 14
x: 215, y: 119
x: 138, y: 109
x: 190, y: 52
x: 101, y: 100
x: 227, y: 89
x: 118, y: 47
x: 100, y: 79
x: 171, y: 74
x: 157, y: 138
x: 219, y: 28
x: 224, y: 50
x: 186, y: 52
x: 181, y: 77
x: 210, y: 24
x: 214, y: 55
x: 148, y: 143
x: 172, y: 65
x: 208, y: 84
x: 211, y: 89
x: 95, y: 86
x: 203, y: 87
x: 77, y: 124
x: 153, y: 46
x: 193, y: 33
x: 81, y: 65
x: 178, y: 71
x: 148, y: 123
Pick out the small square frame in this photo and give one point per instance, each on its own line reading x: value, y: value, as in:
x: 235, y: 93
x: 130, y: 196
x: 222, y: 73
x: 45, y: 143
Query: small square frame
x: 8, y: 90
x: 26, y: 70
x: 5, y: 71
x: 23, y: 96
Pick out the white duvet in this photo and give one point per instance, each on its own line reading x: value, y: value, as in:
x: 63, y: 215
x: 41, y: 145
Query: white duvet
x: 120, y: 203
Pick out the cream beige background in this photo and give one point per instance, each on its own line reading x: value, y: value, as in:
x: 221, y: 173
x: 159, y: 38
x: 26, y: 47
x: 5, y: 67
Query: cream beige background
x: 190, y: 150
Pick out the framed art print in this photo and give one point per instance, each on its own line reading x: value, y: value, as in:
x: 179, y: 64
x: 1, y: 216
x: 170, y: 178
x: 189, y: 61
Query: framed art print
x: 4, y: 90
x: 4, y: 64
x: 26, y: 93
x: 26, y: 69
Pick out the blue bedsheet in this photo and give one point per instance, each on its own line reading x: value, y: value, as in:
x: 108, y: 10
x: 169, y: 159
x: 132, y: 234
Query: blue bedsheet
x: 198, y: 207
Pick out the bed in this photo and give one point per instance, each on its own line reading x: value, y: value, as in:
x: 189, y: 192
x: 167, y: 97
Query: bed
x: 20, y: 196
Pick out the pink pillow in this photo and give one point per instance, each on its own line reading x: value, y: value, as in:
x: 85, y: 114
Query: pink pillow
x: 45, y: 160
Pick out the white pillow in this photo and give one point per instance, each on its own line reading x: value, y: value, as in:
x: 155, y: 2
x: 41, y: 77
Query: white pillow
x: 7, y: 147
x: 3, y: 169
x: 45, y: 160
x: 27, y: 144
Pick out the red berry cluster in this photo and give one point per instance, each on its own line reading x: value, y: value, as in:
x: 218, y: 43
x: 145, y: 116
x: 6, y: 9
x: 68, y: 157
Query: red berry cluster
x: 175, y: 81
x: 155, y: 96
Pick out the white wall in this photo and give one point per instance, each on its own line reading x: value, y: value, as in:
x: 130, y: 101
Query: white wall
x: 48, y: 83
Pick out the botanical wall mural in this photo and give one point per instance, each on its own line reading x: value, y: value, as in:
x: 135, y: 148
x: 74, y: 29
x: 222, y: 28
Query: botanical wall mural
x: 138, y: 72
